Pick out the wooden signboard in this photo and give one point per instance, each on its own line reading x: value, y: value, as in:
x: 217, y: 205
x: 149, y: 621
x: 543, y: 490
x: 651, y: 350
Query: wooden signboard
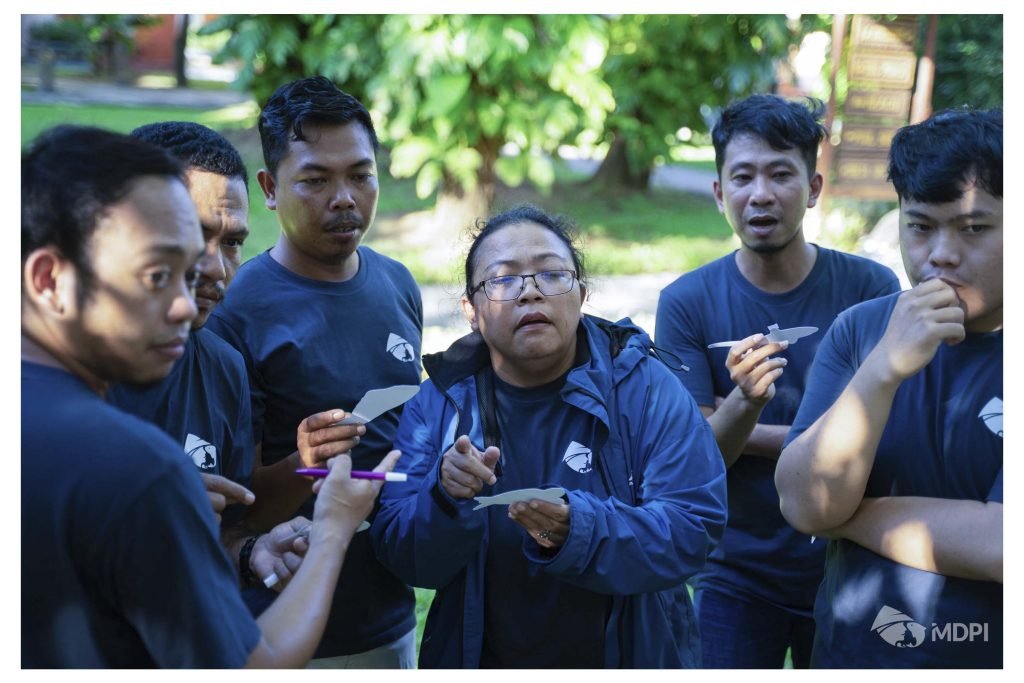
x: 861, y: 137
x: 881, y: 68
x: 887, y: 69
x: 885, y: 104
x: 872, y: 34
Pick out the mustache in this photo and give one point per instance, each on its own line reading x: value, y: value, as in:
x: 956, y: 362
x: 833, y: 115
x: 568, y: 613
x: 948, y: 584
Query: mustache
x: 345, y: 221
x: 210, y: 289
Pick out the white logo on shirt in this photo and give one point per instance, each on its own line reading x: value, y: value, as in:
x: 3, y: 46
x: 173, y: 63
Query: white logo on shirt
x: 992, y: 416
x: 578, y: 457
x: 400, y: 348
x: 203, y: 453
x: 897, y: 629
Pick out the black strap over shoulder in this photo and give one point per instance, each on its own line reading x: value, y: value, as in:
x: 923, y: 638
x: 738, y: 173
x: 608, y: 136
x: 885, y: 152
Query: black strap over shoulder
x: 487, y: 404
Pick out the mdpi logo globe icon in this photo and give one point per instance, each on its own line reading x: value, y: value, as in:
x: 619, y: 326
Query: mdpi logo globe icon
x: 897, y: 629
x: 578, y: 457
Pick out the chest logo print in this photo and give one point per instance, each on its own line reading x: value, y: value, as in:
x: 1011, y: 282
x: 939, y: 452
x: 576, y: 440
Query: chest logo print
x: 203, y: 453
x: 992, y: 416
x: 400, y: 348
x: 578, y: 457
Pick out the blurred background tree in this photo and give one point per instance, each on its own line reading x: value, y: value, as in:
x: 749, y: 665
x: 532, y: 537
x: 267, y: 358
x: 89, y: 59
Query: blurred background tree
x: 969, y: 61
x: 671, y: 73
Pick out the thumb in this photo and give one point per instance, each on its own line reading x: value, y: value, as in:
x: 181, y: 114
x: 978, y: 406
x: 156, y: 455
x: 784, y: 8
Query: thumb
x: 490, y: 457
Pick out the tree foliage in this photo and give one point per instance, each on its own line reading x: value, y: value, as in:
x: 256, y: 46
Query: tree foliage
x: 969, y: 61
x: 672, y: 71
x: 274, y: 49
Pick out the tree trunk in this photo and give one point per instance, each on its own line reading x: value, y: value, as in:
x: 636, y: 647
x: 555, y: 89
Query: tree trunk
x: 441, y: 232
x: 180, y: 39
x: 616, y: 174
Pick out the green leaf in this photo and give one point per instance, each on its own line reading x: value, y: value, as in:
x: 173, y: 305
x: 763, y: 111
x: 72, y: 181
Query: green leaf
x: 540, y: 170
x: 427, y: 179
x: 444, y: 93
x: 511, y: 170
x: 410, y: 154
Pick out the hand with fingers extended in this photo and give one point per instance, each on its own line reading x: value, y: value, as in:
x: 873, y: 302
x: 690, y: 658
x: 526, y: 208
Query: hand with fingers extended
x: 279, y: 552
x: 222, y: 492
x: 319, y: 438
x: 465, y: 470
x: 342, y: 502
x: 547, y: 523
x: 752, y: 368
x: 926, y: 316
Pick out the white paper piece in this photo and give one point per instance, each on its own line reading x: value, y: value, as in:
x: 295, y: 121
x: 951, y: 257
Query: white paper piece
x: 552, y: 495
x: 376, y: 402
x: 774, y: 336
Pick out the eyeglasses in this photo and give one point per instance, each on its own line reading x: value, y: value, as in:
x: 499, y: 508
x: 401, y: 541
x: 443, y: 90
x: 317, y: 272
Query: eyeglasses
x: 509, y: 287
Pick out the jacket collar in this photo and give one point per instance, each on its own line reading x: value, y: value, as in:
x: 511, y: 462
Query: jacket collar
x: 595, y: 369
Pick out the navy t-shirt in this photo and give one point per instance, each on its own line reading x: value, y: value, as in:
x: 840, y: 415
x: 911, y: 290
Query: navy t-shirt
x: 760, y: 555
x: 310, y: 346
x: 204, y: 406
x: 121, y: 565
x: 544, y: 442
x: 943, y: 439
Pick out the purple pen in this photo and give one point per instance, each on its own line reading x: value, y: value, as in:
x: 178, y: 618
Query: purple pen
x: 356, y: 474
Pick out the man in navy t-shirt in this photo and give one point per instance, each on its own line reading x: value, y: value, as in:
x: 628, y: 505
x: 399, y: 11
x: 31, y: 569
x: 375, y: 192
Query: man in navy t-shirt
x: 755, y: 596
x: 120, y: 561
x: 204, y: 402
x: 320, y: 321
x: 896, y: 454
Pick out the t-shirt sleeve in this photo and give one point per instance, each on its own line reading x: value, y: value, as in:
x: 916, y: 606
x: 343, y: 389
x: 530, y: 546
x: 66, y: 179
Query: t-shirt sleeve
x: 225, y: 328
x: 677, y: 331
x: 239, y: 464
x: 835, y: 364
x: 162, y: 565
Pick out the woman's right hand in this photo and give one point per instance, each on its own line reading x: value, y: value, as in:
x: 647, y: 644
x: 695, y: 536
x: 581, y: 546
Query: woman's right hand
x: 342, y: 502
x: 465, y: 470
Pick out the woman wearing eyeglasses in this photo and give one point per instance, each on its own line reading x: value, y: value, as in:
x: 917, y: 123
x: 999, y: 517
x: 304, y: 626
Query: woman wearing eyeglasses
x: 540, y: 396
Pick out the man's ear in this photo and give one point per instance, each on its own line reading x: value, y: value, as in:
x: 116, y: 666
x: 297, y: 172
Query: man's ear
x: 817, y: 180
x: 719, y: 200
x: 49, y: 280
x: 469, y: 312
x: 269, y: 187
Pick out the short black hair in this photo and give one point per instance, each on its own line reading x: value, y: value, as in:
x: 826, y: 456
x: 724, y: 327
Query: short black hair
x: 196, y: 146
x: 934, y: 160
x: 315, y: 100
x: 69, y: 176
x: 783, y: 124
x: 563, y: 227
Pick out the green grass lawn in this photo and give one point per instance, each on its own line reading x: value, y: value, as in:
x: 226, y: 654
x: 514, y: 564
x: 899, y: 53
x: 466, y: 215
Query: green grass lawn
x: 658, y: 231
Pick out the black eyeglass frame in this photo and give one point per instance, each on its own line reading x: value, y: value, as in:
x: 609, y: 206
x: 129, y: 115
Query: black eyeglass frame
x: 522, y: 286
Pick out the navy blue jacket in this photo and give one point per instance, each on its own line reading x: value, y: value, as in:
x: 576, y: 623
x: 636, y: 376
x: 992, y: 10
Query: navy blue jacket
x: 663, y: 509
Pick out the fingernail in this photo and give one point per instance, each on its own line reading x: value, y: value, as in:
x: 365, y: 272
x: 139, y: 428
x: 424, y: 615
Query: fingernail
x: 534, y: 506
x: 784, y: 361
x: 492, y: 480
x: 337, y: 415
x: 361, y: 430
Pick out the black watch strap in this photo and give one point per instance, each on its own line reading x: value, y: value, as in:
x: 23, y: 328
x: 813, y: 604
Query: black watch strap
x: 245, y: 573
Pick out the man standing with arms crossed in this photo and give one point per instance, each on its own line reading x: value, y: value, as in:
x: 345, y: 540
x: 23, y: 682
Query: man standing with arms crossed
x: 320, y: 321
x: 755, y: 596
x: 897, y: 451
